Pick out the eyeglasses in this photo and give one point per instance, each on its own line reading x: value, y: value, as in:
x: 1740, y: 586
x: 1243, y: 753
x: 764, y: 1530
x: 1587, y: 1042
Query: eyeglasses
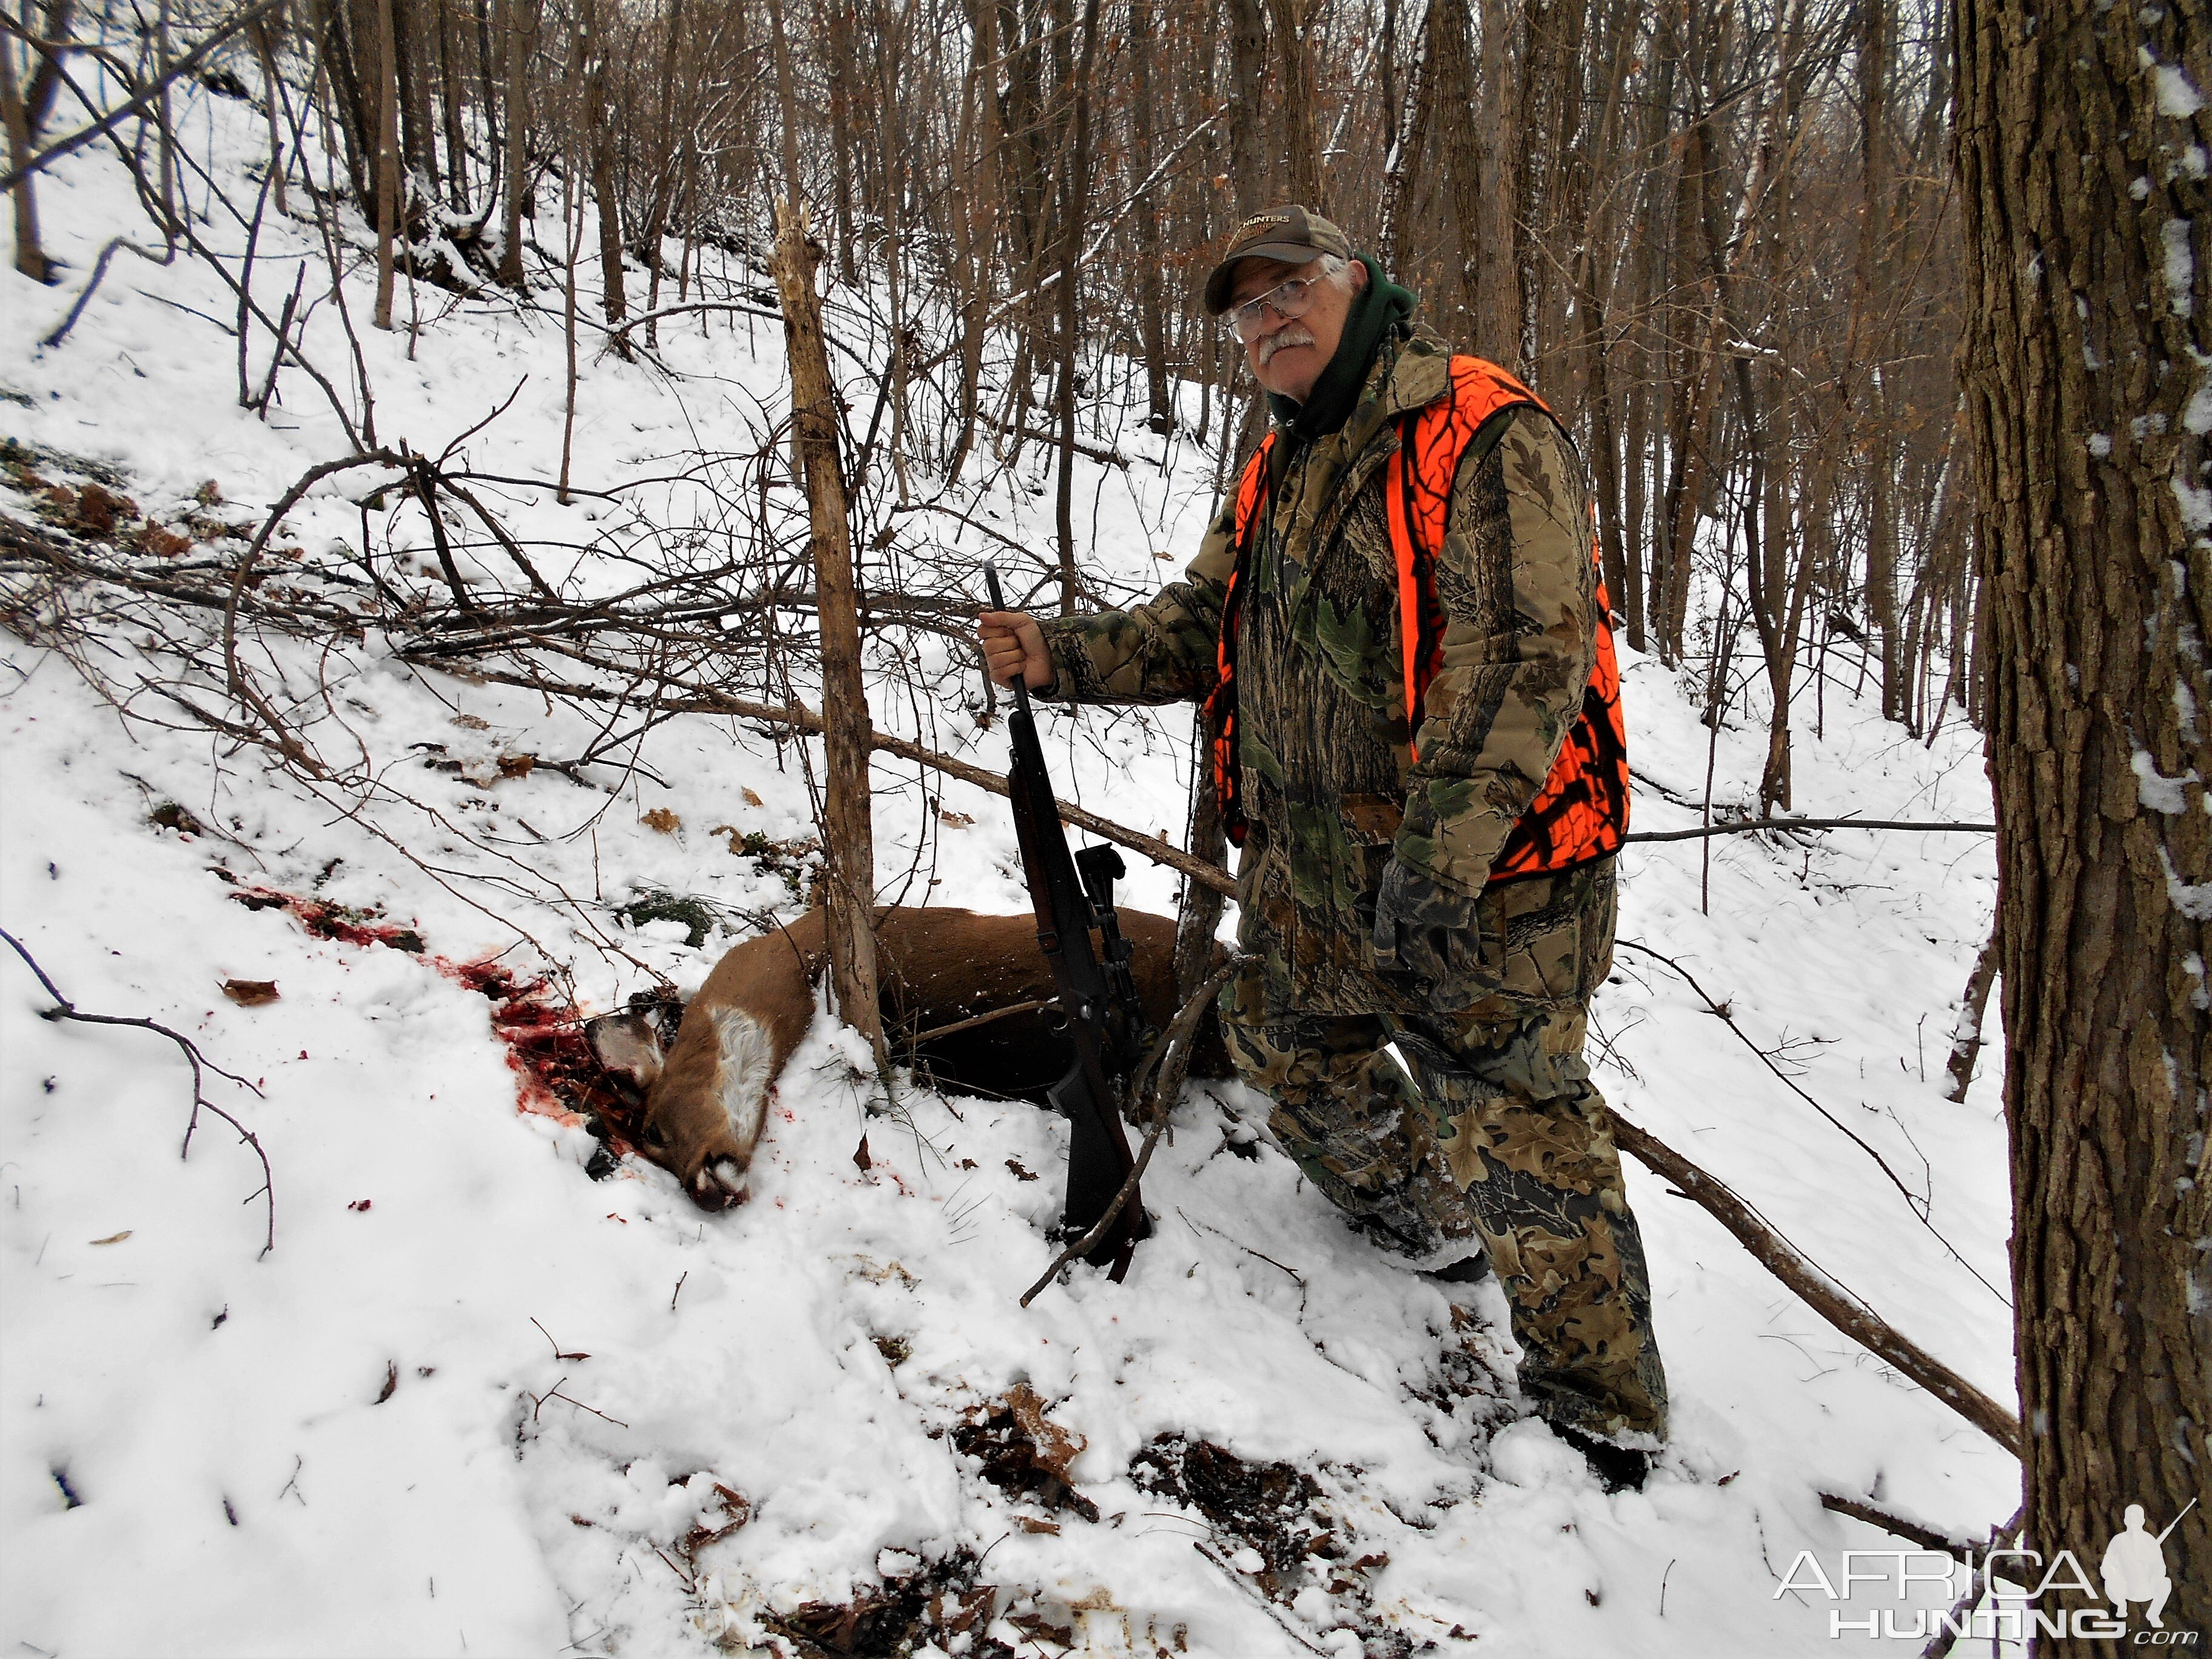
x: 1289, y: 301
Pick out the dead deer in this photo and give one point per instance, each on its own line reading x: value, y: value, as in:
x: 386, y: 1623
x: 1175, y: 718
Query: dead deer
x: 706, y: 1094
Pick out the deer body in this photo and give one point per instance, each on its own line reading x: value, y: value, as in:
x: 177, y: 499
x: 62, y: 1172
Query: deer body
x: 706, y: 1094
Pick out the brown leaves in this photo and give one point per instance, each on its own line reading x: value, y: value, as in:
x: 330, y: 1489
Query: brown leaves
x: 161, y: 541
x: 751, y: 798
x: 1024, y: 1453
x: 661, y: 821
x: 736, y: 1511
x: 933, y: 1608
x: 250, y: 992
x: 92, y: 512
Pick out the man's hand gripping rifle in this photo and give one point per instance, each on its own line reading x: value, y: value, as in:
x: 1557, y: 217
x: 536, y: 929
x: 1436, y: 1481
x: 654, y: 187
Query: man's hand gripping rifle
x: 1105, y: 1018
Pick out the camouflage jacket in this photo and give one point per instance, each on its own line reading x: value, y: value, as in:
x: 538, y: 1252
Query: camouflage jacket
x: 1330, y: 786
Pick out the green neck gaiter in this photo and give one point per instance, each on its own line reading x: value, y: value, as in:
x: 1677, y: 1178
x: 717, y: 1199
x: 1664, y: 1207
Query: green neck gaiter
x: 1376, y: 310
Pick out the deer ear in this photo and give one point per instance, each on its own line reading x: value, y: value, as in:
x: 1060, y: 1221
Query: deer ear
x: 627, y: 1046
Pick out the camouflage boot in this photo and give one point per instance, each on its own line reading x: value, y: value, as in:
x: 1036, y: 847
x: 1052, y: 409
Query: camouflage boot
x: 1496, y: 1134
x: 1522, y: 1130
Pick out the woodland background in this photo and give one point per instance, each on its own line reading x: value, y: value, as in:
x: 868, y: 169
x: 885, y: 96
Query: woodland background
x: 1741, y: 247
x: 1722, y: 237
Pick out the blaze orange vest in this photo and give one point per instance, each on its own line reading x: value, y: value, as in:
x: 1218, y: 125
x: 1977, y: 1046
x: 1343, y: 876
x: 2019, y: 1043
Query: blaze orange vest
x: 1582, y: 812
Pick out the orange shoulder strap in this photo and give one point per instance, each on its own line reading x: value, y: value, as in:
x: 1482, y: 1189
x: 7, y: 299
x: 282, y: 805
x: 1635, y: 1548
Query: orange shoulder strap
x: 1418, y: 486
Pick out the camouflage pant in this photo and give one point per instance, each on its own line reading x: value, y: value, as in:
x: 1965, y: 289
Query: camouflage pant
x: 1496, y: 1135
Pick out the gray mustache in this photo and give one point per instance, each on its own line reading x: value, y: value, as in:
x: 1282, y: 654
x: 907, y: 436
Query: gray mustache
x: 1276, y: 342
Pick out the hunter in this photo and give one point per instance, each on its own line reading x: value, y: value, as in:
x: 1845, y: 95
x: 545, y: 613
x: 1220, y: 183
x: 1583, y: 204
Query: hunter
x: 1399, y: 636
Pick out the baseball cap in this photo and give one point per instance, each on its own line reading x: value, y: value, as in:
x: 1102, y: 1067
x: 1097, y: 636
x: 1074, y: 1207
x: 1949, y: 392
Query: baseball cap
x: 1290, y: 233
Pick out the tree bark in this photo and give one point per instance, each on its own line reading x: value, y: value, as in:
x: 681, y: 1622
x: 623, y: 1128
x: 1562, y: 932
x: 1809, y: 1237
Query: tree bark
x: 387, y: 158
x: 1247, y: 74
x: 30, y: 257
x: 1152, y: 319
x: 848, y: 824
x: 1075, y: 192
x: 1872, y: 296
x: 521, y: 19
x: 46, y: 79
x: 598, y: 127
x: 1492, y: 258
x: 2087, y: 338
x: 1301, y: 145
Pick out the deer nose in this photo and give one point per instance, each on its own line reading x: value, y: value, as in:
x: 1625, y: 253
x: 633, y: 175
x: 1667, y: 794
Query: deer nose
x: 719, y: 1185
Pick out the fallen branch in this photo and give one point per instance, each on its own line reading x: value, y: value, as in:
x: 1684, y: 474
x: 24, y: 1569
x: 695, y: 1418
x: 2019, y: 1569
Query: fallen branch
x: 1978, y: 1586
x: 1747, y: 825
x: 1973, y: 1007
x: 1816, y: 1288
x: 64, y: 1009
x: 1927, y: 1538
x: 1171, y: 1056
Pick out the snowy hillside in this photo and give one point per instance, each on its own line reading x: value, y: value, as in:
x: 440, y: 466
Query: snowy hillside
x: 475, y: 1402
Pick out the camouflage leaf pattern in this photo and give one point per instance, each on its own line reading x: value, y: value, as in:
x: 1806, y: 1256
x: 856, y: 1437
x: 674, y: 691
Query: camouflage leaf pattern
x: 1329, y: 781
x: 1491, y: 1133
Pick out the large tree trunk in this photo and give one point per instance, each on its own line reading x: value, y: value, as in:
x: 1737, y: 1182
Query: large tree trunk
x: 1301, y: 160
x: 1871, y: 297
x: 1492, y: 276
x: 1152, y: 317
x: 599, y: 126
x: 2085, y: 348
x: 30, y: 257
x: 387, y: 158
x: 848, y: 826
x: 1248, y: 76
x: 1075, y: 192
x: 521, y: 19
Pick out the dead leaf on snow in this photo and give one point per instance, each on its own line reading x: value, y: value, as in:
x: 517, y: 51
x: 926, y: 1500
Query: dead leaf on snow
x: 662, y: 820
x: 114, y: 1238
x: 516, y: 766
x: 752, y: 799
x: 250, y: 992
x: 161, y: 541
x: 1024, y: 1453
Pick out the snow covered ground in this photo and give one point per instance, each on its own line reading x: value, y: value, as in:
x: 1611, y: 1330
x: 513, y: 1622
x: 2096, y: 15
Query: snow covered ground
x: 473, y: 1401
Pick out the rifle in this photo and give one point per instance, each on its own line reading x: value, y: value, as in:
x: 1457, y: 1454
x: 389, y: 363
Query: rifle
x: 1106, y: 1019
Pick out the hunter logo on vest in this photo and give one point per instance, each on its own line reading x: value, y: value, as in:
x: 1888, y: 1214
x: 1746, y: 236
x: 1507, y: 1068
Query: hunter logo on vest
x: 1582, y: 812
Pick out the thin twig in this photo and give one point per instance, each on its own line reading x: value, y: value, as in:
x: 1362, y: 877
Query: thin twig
x: 1721, y: 1009
x: 1747, y: 825
x: 1006, y: 1012
x: 66, y: 1010
x: 1978, y: 1586
x: 1171, y: 1054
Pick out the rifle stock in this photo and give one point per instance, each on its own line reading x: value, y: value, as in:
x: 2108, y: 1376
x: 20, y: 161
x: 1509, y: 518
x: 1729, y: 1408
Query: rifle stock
x: 1073, y: 894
